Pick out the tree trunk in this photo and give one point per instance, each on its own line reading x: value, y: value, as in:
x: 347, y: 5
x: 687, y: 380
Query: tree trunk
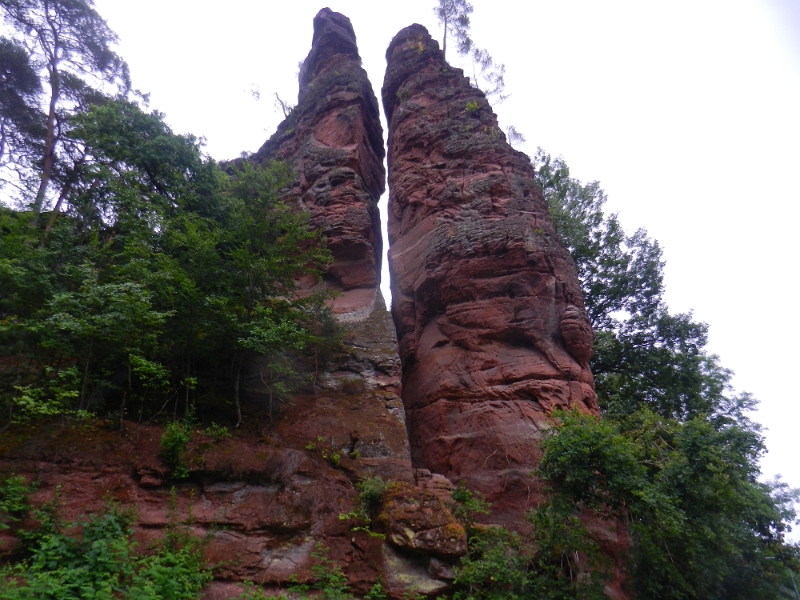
x: 86, y: 376
x: 444, y: 41
x: 188, y: 371
x: 73, y: 176
x: 51, y: 140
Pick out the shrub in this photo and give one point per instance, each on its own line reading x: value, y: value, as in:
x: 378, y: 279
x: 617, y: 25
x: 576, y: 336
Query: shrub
x: 468, y: 504
x: 99, y: 562
x: 173, y: 445
x: 14, y: 501
x: 371, y: 493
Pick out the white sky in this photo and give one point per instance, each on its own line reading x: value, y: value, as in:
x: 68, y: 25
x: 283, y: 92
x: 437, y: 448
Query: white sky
x: 687, y: 111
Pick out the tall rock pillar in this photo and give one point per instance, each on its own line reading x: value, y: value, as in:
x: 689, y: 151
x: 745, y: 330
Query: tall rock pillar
x: 333, y: 140
x: 492, y: 331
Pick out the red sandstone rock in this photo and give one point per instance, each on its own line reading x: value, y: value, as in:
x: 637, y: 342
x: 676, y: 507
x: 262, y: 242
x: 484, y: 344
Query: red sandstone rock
x: 334, y: 141
x: 416, y: 519
x: 265, y: 500
x: 487, y: 305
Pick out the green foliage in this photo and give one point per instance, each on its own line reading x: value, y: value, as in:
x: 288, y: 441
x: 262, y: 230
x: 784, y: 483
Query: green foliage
x: 643, y: 354
x: 501, y: 565
x: 14, y: 500
x: 702, y: 525
x: 473, y: 106
x: 254, y: 592
x: 675, y: 456
x: 453, y: 15
x: 330, y: 579
x: 162, y: 276
x: 173, y: 445
x: 96, y: 559
x: 62, y: 59
x: 55, y: 396
x: 217, y: 432
x: 468, y: 504
x: 371, y: 493
x: 376, y: 592
x: 558, y: 562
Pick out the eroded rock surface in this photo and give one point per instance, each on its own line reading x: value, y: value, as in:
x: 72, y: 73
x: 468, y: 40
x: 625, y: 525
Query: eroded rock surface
x: 334, y: 141
x: 268, y: 495
x: 492, y: 332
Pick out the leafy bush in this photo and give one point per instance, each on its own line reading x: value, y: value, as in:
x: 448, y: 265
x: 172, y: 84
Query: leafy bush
x: 702, y: 526
x: 501, y: 565
x: 330, y: 579
x: 14, y: 500
x: 371, y: 492
x: 173, y: 445
x: 98, y: 561
x: 217, y: 432
x: 468, y: 504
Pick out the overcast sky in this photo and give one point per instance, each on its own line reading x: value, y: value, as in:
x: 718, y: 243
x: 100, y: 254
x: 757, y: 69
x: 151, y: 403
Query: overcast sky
x: 687, y: 112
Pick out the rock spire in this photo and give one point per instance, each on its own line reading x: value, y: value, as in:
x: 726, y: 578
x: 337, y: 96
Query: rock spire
x: 334, y: 141
x: 492, y: 330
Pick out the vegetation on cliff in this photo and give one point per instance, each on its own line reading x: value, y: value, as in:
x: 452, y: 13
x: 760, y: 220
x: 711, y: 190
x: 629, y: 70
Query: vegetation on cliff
x: 675, y: 456
x: 154, y: 274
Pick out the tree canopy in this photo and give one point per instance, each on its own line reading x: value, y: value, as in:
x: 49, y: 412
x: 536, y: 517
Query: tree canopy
x: 68, y: 47
x: 487, y: 75
x: 676, y: 454
x: 163, y: 274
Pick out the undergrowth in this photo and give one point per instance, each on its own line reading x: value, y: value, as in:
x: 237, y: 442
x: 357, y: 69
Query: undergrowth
x: 96, y: 558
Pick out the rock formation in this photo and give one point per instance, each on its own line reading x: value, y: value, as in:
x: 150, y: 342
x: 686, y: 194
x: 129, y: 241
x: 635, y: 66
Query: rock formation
x: 492, y: 332
x: 334, y: 141
x: 265, y: 502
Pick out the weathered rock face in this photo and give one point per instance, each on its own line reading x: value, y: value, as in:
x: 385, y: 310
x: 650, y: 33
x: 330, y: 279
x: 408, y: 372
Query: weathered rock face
x: 334, y: 141
x: 277, y: 489
x: 262, y: 505
x: 492, y: 332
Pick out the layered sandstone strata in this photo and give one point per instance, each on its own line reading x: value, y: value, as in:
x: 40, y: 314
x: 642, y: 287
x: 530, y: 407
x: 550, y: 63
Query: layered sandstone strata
x: 492, y: 331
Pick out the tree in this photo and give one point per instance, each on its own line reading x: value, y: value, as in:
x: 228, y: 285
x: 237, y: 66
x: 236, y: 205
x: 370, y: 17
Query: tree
x: 643, y: 354
x: 21, y: 131
x: 72, y: 47
x: 675, y: 456
x: 488, y: 76
x: 162, y: 279
x: 454, y: 15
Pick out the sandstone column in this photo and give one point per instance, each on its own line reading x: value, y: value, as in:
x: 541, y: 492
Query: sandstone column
x: 333, y: 140
x: 492, y: 331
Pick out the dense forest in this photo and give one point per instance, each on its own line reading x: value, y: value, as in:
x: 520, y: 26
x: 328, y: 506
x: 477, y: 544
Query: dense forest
x: 138, y: 276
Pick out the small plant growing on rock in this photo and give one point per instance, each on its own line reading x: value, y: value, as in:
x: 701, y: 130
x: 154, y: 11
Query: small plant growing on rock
x: 468, y: 505
x: 371, y: 493
x: 173, y: 446
x: 473, y: 106
x: 333, y: 458
x: 331, y: 580
x: 252, y: 592
x: 217, y: 432
x: 376, y: 592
